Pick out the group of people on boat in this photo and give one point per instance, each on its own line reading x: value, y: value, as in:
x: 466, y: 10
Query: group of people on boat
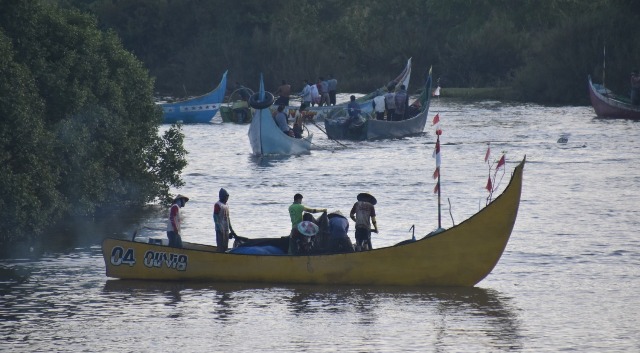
x: 306, y: 237
x: 309, y: 235
x: 394, y: 104
x: 322, y: 93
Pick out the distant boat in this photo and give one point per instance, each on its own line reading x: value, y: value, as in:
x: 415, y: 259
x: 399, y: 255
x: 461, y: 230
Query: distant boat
x: 265, y: 137
x: 459, y: 256
x: 369, y: 128
x: 229, y: 109
x: 610, y: 105
x: 196, y: 110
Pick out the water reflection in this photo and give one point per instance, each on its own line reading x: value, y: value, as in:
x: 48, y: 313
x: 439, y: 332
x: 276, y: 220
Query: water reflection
x: 484, y: 314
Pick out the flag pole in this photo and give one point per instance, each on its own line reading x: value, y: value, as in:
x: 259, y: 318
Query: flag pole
x: 604, y: 63
x: 438, y: 132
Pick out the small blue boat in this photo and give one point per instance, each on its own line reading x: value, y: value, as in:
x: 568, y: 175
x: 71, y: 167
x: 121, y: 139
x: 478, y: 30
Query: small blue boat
x: 265, y: 137
x: 196, y: 110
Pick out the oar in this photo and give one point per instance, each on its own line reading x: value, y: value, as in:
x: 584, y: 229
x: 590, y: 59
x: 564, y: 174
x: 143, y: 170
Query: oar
x: 336, y: 141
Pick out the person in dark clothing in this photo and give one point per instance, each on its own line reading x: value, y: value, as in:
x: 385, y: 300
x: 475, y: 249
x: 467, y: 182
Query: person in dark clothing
x: 339, y: 241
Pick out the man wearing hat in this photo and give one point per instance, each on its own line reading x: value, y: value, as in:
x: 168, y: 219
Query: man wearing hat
x: 339, y: 241
x: 173, y: 225
x: 222, y: 221
x: 364, y: 214
x: 295, y: 212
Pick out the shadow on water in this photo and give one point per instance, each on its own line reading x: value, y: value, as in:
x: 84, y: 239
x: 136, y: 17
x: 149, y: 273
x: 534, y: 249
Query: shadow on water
x: 269, y: 161
x: 495, y: 311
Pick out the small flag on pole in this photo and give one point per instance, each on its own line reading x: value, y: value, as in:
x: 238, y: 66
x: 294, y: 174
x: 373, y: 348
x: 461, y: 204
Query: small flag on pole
x: 436, y: 119
x: 500, y: 162
x: 489, y: 186
x: 486, y: 156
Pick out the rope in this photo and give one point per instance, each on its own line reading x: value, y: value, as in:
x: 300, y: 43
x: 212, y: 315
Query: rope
x: 336, y: 141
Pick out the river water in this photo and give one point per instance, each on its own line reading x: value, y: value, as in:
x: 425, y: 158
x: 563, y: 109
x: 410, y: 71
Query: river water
x: 568, y: 280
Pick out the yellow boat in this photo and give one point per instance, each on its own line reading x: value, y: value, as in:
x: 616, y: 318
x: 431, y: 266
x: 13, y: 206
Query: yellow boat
x: 460, y: 256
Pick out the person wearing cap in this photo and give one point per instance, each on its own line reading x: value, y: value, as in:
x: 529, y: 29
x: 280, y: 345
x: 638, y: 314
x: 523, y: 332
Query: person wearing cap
x: 339, y: 241
x: 363, y: 213
x: 296, y: 209
x: 222, y: 221
x: 173, y: 225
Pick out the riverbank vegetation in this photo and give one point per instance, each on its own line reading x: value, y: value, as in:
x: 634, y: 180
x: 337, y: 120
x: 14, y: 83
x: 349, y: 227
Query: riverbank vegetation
x: 80, y: 132
x: 79, y: 135
x: 543, y: 50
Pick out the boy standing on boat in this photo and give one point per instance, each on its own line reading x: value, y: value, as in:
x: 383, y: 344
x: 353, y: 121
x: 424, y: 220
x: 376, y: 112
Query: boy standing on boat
x: 173, y: 225
x: 364, y: 214
x: 224, y: 231
x: 295, y: 213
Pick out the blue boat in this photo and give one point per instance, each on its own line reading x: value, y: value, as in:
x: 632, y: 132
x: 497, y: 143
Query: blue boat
x: 196, y: 110
x: 265, y: 137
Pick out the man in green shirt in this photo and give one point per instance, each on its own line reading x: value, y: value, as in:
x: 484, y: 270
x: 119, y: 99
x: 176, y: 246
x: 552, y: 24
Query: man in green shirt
x: 295, y: 212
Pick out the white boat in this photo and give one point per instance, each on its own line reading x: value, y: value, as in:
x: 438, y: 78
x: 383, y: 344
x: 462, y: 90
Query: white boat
x: 265, y: 136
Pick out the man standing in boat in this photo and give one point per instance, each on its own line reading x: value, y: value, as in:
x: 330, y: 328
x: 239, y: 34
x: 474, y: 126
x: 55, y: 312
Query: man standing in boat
x: 173, y: 225
x: 401, y: 102
x: 283, y: 92
x: 306, y: 93
x: 390, y: 103
x: 363, y: 213
x: 379, y: 106
x: 222, y: 221
x: 333, y: 85
x: 296, y: 209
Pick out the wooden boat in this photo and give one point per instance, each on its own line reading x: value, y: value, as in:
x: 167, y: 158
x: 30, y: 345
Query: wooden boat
x: 366, y: 101
x: 228, y: 110
x: 196, y: 110
x: 265, y: 136
x: 460, y: 256
x: 610, y: 105
x: 368, y: 128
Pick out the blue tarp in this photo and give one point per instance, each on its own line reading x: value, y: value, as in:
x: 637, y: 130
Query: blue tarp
x: 258, y: 250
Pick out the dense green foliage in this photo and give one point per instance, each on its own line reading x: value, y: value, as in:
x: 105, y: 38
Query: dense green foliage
x: 79, y: 128
x: 544, y: 49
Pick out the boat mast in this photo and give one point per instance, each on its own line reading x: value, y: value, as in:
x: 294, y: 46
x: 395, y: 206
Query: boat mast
x: 604, y: 63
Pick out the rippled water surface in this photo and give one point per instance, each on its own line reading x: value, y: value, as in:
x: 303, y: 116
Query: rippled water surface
x: 568, y: 280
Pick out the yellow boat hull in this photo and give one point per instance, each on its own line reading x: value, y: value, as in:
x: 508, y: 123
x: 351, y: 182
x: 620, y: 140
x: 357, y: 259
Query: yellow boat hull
x: 460, y: 256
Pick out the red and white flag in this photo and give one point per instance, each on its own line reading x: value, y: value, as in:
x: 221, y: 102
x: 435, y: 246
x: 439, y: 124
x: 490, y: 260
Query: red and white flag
x: 489, y: 186
x: 436, y: 119
x: 486, y: 156
x: 500, y: 163
x: 436, y: 153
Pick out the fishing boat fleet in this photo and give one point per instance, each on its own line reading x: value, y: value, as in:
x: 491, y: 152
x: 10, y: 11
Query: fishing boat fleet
x: 459, y: 256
